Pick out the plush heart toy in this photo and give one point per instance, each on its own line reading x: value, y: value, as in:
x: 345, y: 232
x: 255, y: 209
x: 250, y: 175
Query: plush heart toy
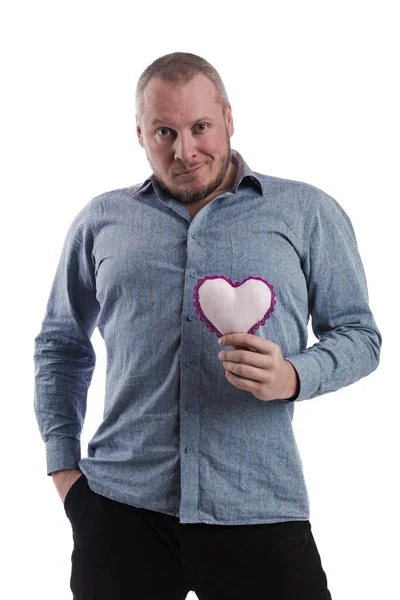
x: 227, y: 307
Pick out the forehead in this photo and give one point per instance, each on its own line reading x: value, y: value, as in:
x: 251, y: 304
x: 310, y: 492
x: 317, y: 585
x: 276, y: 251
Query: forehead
x: 183, y: 101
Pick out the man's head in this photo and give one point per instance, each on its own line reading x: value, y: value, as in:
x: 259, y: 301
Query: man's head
x: 184, y: 120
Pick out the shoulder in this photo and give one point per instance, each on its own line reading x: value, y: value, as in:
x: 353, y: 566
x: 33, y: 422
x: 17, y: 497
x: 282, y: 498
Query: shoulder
x: 312, y: 199
x: 107, y: 199
x: 291, y: 187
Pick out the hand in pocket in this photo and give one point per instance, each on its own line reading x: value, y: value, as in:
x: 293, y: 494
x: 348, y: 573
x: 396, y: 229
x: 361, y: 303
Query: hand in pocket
x: 64, y: 480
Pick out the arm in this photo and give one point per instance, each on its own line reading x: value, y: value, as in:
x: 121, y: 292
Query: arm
x: 349, y: 339
x: 64, y: 357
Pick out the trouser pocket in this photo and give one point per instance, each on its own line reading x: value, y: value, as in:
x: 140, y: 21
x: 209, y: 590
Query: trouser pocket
x: 69, y: 498
x: 87, y: 512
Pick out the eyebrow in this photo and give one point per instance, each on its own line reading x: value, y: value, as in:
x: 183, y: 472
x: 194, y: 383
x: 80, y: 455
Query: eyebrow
x: 155, y: 121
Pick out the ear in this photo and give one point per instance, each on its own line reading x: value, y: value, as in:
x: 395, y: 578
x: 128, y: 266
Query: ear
x: 139, y: 133
x: 229, y: 120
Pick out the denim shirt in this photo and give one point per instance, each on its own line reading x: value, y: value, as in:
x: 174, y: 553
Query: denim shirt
x: 176, y: 436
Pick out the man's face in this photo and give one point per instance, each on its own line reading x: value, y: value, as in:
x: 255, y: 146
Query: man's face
x: 190, y: 131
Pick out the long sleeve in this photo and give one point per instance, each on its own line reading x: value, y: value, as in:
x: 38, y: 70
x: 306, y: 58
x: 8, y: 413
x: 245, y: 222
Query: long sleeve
x: 349, y: 340
x: 64, y: 357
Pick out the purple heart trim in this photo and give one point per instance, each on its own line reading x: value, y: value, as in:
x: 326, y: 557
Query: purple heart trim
x: 207, y: 322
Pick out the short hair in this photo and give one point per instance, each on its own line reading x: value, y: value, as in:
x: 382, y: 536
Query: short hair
x: 179, y: 67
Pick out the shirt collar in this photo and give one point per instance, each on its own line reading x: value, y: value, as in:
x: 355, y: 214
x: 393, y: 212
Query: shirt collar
x: 244, y: 173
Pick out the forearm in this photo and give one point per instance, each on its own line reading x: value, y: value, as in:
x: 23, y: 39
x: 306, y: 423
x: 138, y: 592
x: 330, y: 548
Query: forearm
x: 342, y: 357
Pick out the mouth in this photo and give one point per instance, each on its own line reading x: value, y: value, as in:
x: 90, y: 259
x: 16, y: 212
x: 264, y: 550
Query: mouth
x: 191, y: 171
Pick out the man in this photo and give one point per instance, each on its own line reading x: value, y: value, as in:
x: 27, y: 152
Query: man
x: 193, y: 480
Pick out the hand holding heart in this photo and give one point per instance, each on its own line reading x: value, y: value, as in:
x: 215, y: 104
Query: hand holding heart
x: 257, y: 365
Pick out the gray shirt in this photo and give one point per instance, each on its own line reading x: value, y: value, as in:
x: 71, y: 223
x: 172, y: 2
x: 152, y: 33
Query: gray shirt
x: 177, y: 437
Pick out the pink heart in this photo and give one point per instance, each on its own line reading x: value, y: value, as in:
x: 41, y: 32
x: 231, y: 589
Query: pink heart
x: 227, y: 307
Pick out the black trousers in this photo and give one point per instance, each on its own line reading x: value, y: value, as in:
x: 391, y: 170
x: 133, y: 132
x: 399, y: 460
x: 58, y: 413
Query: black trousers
x: 122, y: 552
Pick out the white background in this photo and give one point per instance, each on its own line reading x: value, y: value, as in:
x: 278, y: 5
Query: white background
x: 314, y: 94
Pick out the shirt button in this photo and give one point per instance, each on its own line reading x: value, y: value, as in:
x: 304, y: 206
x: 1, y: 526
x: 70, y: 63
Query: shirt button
x: 189, y: 449
x: 189, y: 407
x: 189, y: 363
x: 194, y: 235
x: 193, y: 273
x: 191, y: 317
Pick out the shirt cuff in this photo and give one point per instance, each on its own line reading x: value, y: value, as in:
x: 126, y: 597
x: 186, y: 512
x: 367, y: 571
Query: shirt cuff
x: 309, y: 373
x: 62, y: 453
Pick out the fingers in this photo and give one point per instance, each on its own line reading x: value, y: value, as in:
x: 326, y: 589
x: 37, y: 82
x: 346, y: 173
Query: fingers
x: 243, y: 371
x: 246, y: 357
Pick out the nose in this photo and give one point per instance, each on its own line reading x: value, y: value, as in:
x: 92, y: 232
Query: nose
x: 185, y: 147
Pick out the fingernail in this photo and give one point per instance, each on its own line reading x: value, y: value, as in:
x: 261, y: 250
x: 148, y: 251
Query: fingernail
x: 221, y: 340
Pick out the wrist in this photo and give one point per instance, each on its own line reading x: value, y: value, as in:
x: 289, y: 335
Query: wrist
x: 64, y: 473
x: 292, y: 382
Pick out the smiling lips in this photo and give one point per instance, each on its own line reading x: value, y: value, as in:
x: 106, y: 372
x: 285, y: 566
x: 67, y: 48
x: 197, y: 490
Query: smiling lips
x: 191, y: 170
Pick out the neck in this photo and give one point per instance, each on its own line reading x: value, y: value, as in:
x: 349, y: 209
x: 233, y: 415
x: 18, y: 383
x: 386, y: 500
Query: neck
x: 193, y: 208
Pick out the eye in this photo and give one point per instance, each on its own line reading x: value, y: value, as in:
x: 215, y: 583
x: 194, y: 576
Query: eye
x: 163, y: 129
x: 168, y: 129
